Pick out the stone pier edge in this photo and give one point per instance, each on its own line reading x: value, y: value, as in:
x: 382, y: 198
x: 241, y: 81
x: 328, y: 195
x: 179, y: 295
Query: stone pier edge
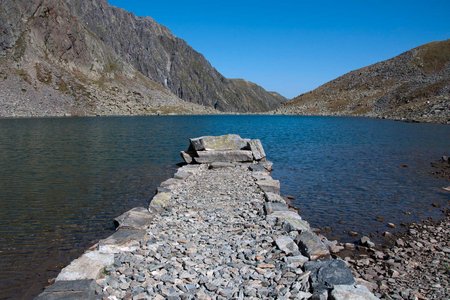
x: 77, y: 280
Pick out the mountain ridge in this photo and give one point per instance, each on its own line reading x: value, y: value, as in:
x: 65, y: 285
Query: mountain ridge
x: 95, y: 59
x: 414, y: 85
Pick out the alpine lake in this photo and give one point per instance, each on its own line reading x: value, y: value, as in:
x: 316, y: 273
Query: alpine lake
x: 64, y: 180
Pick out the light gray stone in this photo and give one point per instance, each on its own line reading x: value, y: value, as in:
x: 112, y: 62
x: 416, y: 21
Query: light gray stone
x: 269, y: 185
x: 187, y: 157
x: 223, y: 142
x: 303, y: 295
x: 257, y: 149
x: 88, y: 266
x: 171, y: 181
x: 272, y: 197
x: 291, y: 220
x: 123, y: 240
x: 270, y: 207
x: 182, y: 174
x: 138, y: 217
x: 311, y: 245
x: 268, y: 165
x: 286, y: 244
x: 352, y: 292
x: 205, y: 157
x: 296, y: 261
x: 220, y: 165
x: 161, y: 200
x: 261, y: 176
x: 365, y: 241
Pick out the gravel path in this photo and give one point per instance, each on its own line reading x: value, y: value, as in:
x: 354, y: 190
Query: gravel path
x: 212, y: 242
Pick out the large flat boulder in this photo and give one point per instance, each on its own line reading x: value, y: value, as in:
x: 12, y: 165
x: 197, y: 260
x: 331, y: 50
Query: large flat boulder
x: 88, y: 266
x: 269, y: 185
x: 160, y: 200
x: 311, y: 245
x: 206, y: 157
x: 272, y: 197
x: 223, y: 142
x: 287, y: 245
x: 187, y: 156
x: 257, y: 149
x: 351, y: 292
x: 138, y: 217
x: 270, y: 207
x: 291, y: 220
x: 69, y: 290
x: 328, y: 273
x: 123, y: 240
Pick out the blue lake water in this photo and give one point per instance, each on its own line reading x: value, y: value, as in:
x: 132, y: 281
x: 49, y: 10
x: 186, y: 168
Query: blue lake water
x: 62, y: 181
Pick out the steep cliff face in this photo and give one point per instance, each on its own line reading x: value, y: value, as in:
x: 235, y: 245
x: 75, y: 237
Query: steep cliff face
x: 414, y: 85
x: 85, y: 57
x: 158, y: 54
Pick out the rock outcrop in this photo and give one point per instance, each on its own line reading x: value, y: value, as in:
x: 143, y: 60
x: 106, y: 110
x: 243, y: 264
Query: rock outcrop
x: 88, y: 58
x: 228, y: 148
x: 412, y: 86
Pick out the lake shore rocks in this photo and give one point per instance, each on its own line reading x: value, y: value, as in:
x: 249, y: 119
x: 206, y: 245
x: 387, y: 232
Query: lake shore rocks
x: 216, y: 231
x: 413, y: 265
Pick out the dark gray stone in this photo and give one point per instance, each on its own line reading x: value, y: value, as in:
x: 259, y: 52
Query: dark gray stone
x: 328, y: 273
x: 257, y: 168
x: 69, y: 290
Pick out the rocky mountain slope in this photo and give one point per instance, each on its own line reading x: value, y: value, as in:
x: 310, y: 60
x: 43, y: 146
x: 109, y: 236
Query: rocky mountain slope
x: 88, y: 58
x: 413, y: 86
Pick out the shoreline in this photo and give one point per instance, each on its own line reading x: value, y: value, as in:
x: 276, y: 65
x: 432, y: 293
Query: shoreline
x: 223, y: 114
x: 411, y: 265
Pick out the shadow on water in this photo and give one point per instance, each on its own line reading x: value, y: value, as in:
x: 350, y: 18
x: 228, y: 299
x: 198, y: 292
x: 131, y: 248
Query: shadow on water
x: 62, y: 181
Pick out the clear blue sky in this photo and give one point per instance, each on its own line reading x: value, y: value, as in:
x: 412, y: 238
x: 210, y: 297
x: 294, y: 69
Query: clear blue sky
x: 294, y: 46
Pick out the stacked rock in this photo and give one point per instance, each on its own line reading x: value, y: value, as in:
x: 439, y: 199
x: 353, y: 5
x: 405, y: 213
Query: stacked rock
x: 219, y: 229
x: 228, y: 148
